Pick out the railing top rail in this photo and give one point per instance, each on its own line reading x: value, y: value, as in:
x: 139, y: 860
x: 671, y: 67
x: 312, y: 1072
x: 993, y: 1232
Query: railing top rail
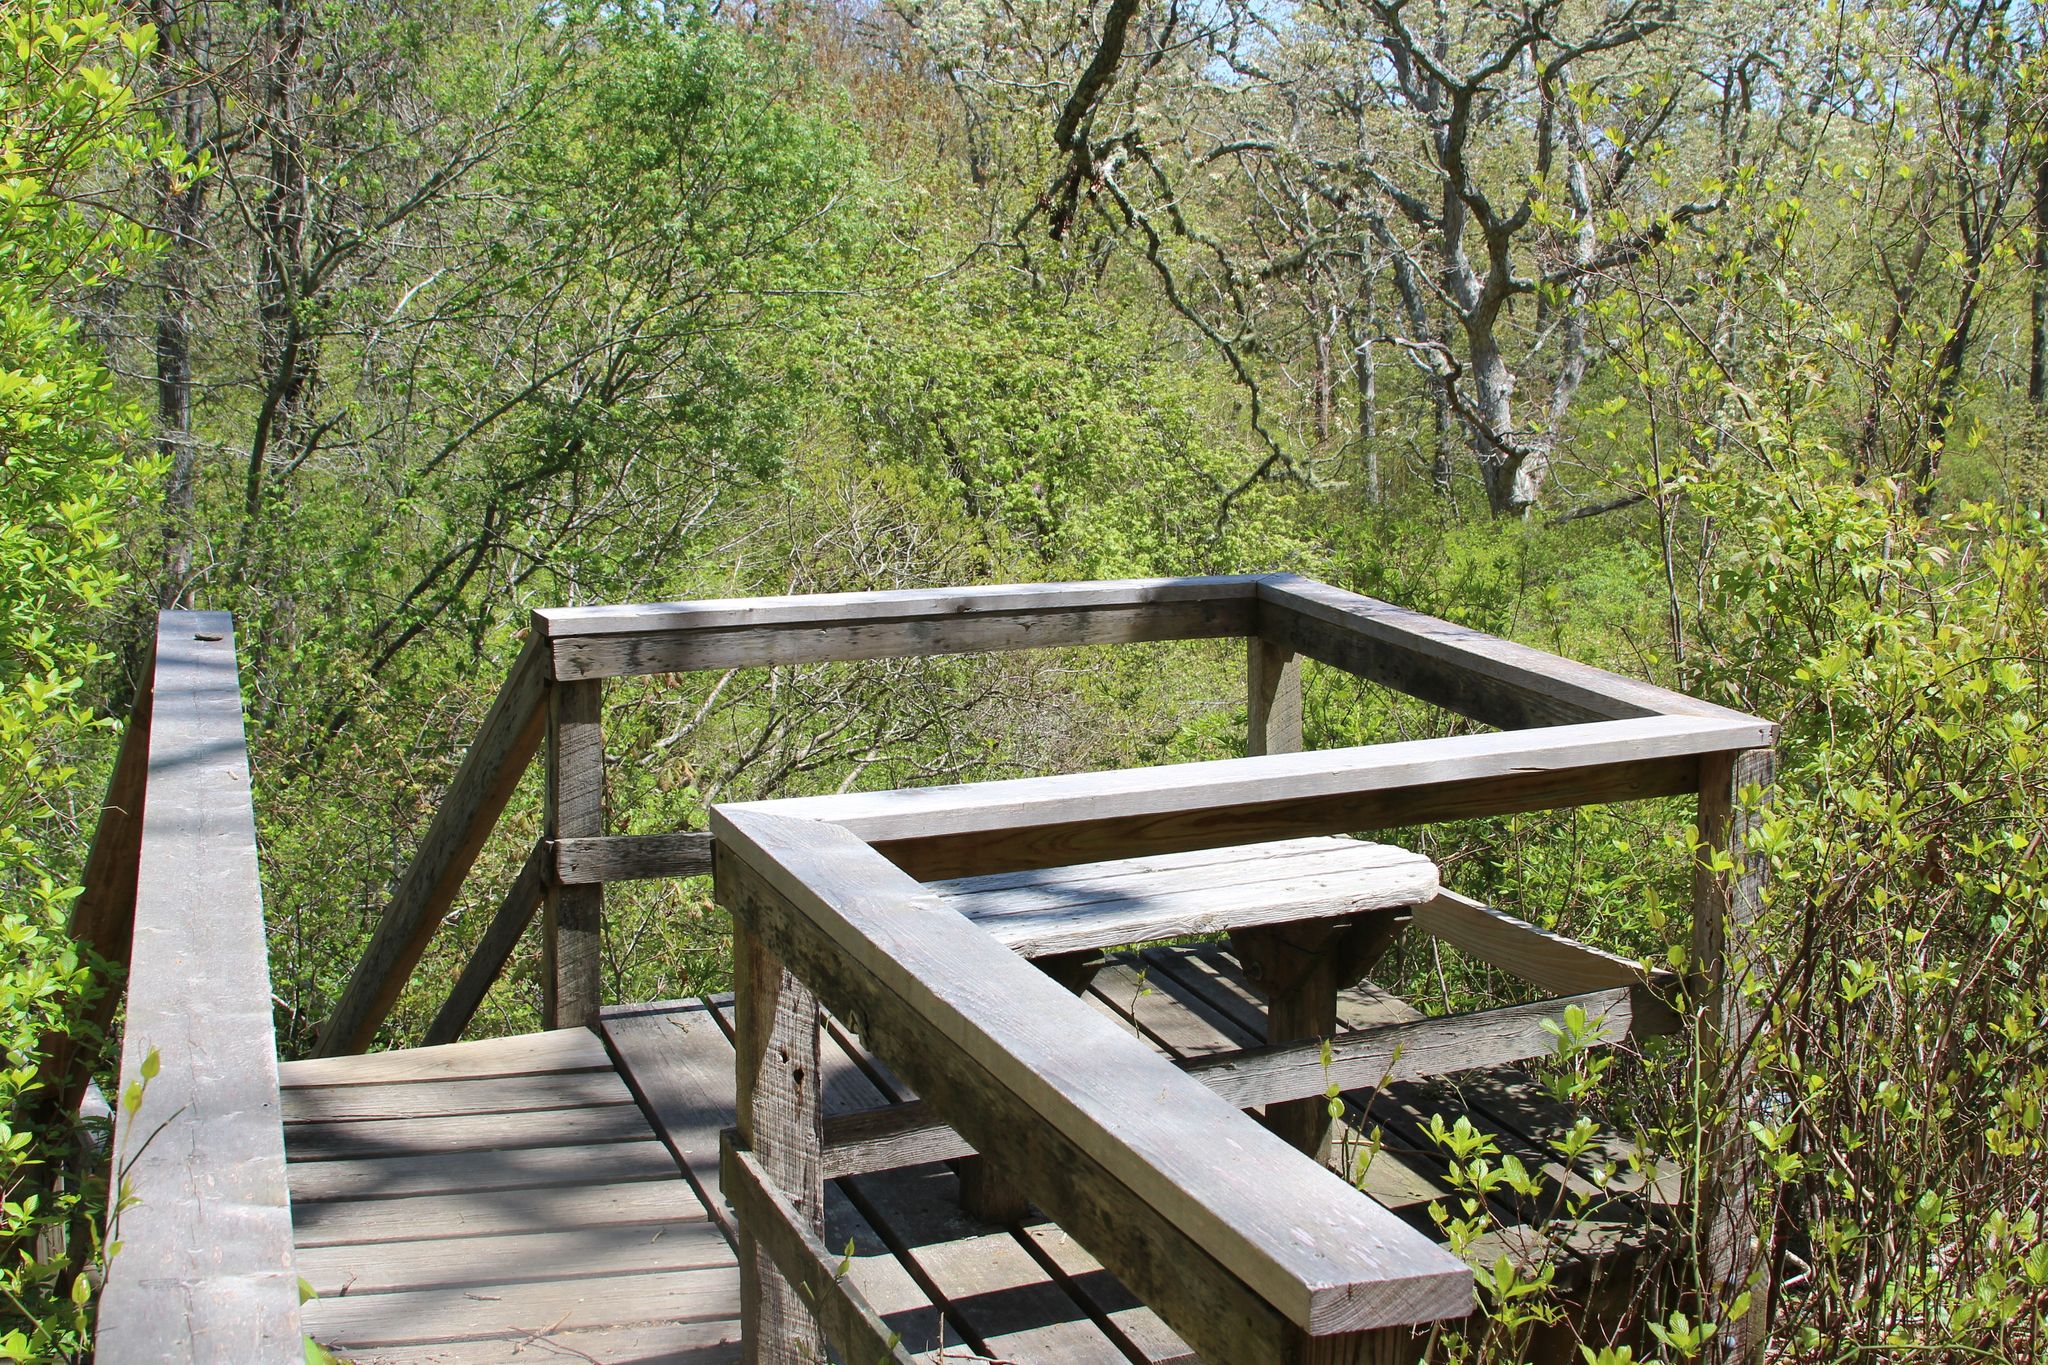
x: 204, y: 1269
x: 1466, y: 671
x: 818, y: 609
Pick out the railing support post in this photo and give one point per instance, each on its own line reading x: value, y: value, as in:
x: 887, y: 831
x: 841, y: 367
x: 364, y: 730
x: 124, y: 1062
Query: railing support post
x: 573, y: 927
x: 1726, y: 905
x: 781, y: 1120
x: 1273, y: 691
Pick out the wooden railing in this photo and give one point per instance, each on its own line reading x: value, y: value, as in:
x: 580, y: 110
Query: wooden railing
x: 202, y: 1265
x: 827, y: 900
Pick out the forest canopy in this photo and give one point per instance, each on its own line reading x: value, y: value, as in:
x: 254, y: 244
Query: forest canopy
x: 1707, y: 343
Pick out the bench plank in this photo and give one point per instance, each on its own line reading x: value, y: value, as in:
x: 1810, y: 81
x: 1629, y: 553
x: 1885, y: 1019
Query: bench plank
x: 1142, y: 900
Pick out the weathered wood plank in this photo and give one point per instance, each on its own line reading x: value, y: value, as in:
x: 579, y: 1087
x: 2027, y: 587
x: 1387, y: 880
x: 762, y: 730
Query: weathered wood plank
x: 359, y: 1222
x: 446, y: 1262
x: 485, y: 1172
x: 1727, y: 903
x: 572, y: 917
x: 754, y: 632
x: 906, y: 604
x: 794, y: 1246
x: 493, y: 950
x: 631, y: 857
x: 1478, y: 675
x: 935, y: 832
x: 1047, y: 1085
x: 1104, y: 905
x: 468, y: 810
x: 760, y: 646
x: 1545, y: 959
x: 204, y: 1272
x: 360, y: 1139
x: 432, y: 1099
x: 780, y: 1113
x: 671, y: 1343
x: 103, y: 916
x: 679, y: 1064
x: 511, y: 1313
x: 525, y: 1054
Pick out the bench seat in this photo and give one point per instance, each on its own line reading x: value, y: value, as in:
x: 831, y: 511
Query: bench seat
x: 1058, y: 910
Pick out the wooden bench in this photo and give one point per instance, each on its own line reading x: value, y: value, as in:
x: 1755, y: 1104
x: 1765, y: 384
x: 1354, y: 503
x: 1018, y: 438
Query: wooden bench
x: 1308, y: 917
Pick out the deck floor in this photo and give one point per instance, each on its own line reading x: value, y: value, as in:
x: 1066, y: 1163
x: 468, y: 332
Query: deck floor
x: 554, y: 1197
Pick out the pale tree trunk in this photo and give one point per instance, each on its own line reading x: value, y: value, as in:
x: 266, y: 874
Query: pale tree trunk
x: 180, y: 54
x: 1361, y: 324
x: 2037, y: 369
x: 286, y: 350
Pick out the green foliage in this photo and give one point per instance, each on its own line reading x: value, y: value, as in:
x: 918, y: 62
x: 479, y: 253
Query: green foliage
x: 1902, y: 965
x: 67, y: 116
x: 1064, y: 431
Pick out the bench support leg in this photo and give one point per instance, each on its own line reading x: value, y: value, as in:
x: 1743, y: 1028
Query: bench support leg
x: 985, y: 1192
x: 1301, y: 967
x: 782, y: 1122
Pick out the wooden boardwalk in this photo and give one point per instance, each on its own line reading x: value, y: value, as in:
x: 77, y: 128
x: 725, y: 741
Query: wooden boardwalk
x: 555, y: 1196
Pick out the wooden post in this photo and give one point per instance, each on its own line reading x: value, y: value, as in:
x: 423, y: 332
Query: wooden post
x: 573, y: 925
x: 1301, y: 967
x: 1273, y: 688
x: 782, y: 1123
x: 1726, y: 906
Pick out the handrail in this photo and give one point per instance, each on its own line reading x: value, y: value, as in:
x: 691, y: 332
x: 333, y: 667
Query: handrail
x: 201, y: 1268
x: 1572, y: 735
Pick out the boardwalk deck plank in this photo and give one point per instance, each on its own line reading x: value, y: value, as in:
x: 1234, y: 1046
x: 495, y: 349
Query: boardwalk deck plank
x: 496, y: 1226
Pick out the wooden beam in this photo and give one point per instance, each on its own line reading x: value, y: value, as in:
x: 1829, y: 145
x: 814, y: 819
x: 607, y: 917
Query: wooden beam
x: 103, y: 916
x: 468, y: 810
x: 683, y: 650
x: 1727, y: 904
x: 1548, y: 960
x: 800, y: 1255
x: 1151, y: 1171
x: 780, y: 1107
x: 935, y: 832
x: 487, y: 962
x: 204, y: 1270
x: 1250, y: 1078
x: 631, y: 857
x: 902, y: 604
x: 572, y: 923
x: 1475, y: 674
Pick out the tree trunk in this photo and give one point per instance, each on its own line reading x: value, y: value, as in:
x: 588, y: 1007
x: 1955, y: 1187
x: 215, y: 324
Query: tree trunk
x: 286, y: 351
x: 1501, y: 467
x: 1361, y: 323
x: 179, y: 57
x: 2037, y: 369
